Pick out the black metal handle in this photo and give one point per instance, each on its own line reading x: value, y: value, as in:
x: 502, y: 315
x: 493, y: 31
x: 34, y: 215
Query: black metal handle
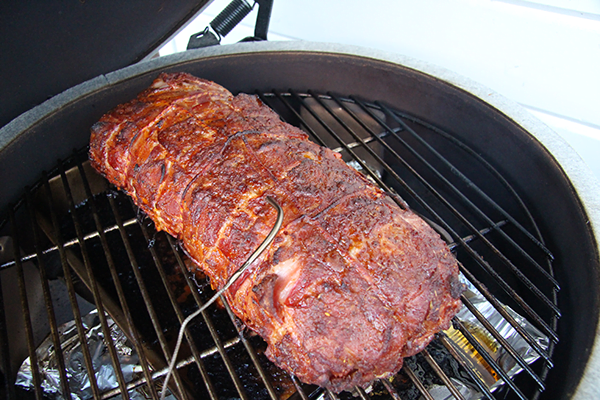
x: 263, y: 18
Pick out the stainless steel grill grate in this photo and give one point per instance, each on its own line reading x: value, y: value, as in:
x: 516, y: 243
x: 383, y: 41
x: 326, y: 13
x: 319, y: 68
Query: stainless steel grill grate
x: 73, y: 244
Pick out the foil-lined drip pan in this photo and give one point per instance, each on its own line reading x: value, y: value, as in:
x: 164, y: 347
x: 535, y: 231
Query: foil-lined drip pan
x: 79, y: 381
x: 499, y: 354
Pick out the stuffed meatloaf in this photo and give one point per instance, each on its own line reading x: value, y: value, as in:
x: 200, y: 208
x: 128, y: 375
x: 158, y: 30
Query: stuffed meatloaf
x: 351, y: 284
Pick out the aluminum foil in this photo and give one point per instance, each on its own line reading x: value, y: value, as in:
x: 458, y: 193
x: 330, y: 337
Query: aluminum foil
x: 77, y: 375
x: 500, y: 355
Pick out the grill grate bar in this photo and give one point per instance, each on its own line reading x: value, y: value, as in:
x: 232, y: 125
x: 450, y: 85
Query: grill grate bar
x: 194, y: 349
x: 125, y: 307
x: 494, y: 332
x: 146, y: 296
x: 361, y: 142
x: 361, y: 393
x: 492, y: 363
x: 438, y: 370
x: 129, y: 330
x: 69, y: 243
x: 213, y: 332
x: 331, y: 395
x: 35, y: 371
x: 91, y: 283
x: 460, y: 359
x: 419, y: 385
x: 388, y: 386
x: 47, y: 298
x: 485, y: 231
x: 71, y: 291
x: 298, y: 387
x: 251, y: 352
x: 132, y: 221
x: 484, y: 264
